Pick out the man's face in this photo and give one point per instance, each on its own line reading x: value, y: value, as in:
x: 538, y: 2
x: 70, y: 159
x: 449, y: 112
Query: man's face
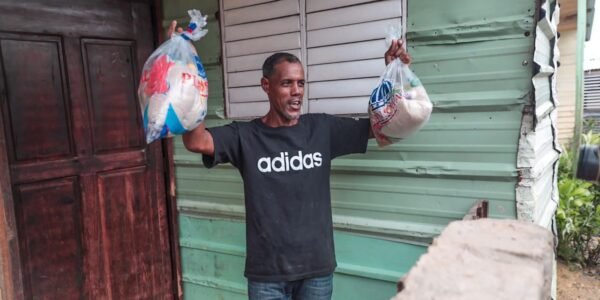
x: 285, y: 88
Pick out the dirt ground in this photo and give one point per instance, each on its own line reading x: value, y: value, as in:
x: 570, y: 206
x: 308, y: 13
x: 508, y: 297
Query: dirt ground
x: 575, y: 283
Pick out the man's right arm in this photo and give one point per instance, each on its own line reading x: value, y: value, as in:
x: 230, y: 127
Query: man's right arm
x: 199, y: 140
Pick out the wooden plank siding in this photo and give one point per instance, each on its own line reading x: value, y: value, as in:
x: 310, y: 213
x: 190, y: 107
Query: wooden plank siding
x: 250, y: 34
x: 565, y: 85
x: 344, y: 43
x: 340, y: 42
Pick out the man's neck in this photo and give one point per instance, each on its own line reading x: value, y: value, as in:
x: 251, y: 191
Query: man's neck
x: 273, y: 119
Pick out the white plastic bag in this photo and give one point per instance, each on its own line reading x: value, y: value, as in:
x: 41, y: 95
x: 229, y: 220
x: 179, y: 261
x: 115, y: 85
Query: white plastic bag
x: 399, y: 105
x: 173, y: 90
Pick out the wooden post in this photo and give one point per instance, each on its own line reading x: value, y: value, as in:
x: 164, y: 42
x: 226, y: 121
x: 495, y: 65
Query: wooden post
x: 581, y: 31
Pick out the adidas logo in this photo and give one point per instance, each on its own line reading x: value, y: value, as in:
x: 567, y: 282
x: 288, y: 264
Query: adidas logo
x: 285, y: 163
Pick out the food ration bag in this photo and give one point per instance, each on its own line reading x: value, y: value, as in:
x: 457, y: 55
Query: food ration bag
x: 399, y: 105
x: 173, y: 89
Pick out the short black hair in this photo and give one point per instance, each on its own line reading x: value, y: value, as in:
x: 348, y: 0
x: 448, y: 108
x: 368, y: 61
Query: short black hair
x: 273, y: 60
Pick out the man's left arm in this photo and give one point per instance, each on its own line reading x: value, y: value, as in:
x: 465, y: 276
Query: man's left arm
x: 348, y: 135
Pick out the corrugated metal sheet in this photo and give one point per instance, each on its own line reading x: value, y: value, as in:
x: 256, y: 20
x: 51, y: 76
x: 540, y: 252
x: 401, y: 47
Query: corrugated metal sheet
x: 476, y: 60
x: 539, y: 150
x: 213, y: 253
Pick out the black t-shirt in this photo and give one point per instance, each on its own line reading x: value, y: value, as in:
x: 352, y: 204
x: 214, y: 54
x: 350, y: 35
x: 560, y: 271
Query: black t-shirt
x: 289, y: 232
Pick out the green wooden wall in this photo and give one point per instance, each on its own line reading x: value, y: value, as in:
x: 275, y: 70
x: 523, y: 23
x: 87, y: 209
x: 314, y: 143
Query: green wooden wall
x: 473, y: 57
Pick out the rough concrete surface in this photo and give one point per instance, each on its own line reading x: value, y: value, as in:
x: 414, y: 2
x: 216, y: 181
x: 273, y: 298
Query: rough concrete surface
x: 484, y: 259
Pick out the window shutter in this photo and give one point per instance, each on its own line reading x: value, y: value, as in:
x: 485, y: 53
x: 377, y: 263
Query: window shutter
x: 252, y: 30
x: 345, y: 48
x: 591, y: 102
x: 341, y: 43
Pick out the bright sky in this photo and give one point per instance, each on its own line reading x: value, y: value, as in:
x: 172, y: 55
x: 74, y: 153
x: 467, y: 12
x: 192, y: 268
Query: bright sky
x: 592, y: 47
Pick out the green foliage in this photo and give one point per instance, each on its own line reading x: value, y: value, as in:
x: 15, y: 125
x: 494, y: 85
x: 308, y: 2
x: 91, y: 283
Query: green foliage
x: 589, y: 124
x: 578, y: 214
x: 565, y: 165
x: 578, y: 218
x: 591, y: 138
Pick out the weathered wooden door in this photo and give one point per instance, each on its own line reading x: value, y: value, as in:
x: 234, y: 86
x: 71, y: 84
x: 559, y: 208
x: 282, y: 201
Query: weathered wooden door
x: 89, y: 196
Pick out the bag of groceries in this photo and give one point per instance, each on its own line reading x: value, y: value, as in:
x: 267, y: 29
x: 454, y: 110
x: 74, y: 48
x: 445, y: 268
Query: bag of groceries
x: 173, y: 89
x: 399, y: 105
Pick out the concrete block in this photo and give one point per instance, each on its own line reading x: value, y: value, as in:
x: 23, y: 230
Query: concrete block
x: 484, y: 259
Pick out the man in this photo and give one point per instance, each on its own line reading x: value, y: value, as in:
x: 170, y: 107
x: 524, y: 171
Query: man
x: 284, y: 158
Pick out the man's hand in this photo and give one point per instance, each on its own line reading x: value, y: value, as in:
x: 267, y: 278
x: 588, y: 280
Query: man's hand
x: 172, y: 29
x: 397, y: 50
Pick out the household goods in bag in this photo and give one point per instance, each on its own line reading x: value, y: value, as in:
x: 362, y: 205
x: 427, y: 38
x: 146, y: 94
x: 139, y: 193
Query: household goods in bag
x: 173, y: 89
x: 399, y: 104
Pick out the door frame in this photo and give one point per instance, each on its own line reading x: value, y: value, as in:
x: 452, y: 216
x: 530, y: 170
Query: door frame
x: 11, y: 276
x: 168, y: 150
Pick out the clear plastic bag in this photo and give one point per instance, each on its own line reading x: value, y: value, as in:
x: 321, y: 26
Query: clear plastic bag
x: 399, y: 105
x: 173, y: 89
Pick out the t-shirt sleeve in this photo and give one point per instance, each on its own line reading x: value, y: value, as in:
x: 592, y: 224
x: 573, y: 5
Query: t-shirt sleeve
x: 226, y: 141
x: 348, y: 135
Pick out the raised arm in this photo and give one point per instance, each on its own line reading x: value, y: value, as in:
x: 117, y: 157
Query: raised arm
x: 199, y: 140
